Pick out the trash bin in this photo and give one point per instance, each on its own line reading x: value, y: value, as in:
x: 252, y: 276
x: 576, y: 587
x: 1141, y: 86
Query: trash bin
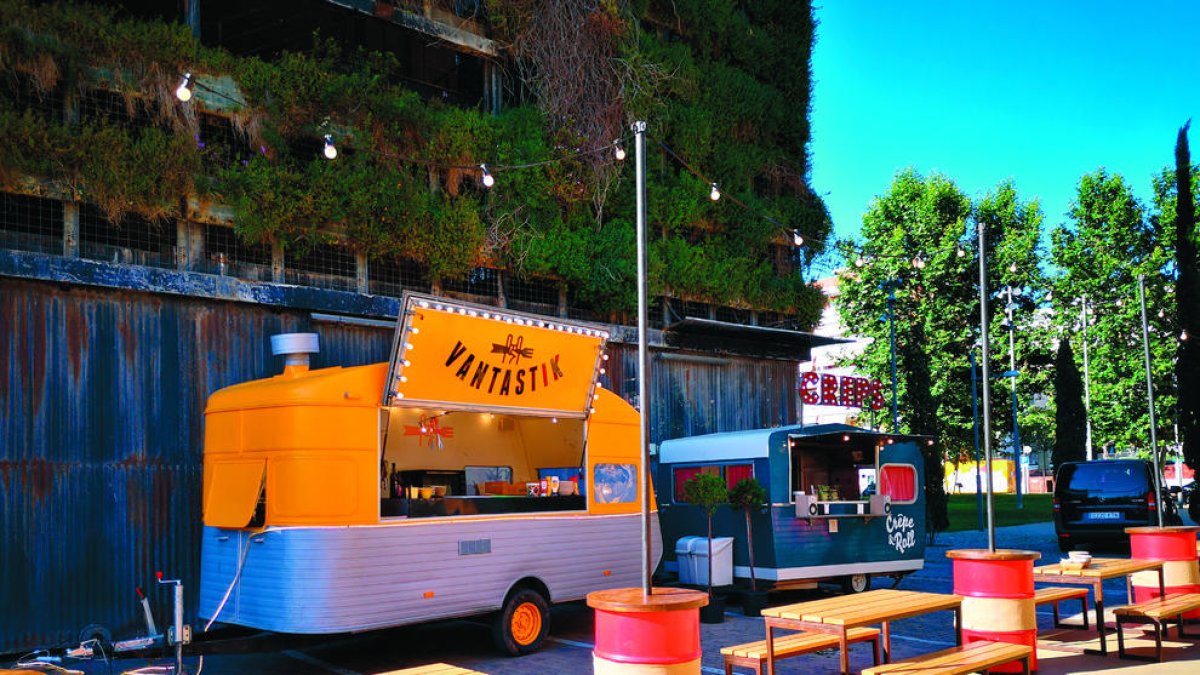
x: 692, y: 554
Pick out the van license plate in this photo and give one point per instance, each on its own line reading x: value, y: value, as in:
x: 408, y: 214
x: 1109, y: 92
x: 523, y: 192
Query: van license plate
x: 1102, y: 515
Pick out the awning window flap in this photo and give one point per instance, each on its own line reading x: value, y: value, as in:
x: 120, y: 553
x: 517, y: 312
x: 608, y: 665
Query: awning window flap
x: 231, y: 498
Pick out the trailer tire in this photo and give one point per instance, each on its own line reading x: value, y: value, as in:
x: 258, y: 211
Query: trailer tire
x: 856, y: 583
x: 522, y: 624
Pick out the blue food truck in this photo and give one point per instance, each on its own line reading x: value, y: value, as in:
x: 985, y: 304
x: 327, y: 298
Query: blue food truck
x: 844, y: 503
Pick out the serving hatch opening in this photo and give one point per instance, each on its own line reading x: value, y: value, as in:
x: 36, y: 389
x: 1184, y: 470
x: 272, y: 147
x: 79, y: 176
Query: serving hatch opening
x: 456, y: 356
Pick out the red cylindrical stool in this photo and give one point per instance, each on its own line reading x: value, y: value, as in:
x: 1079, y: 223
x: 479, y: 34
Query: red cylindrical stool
x: 647, y: 635
x: 997, y: 590
x: 1176, y: 547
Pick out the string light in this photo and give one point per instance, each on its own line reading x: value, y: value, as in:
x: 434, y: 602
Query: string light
x: 715, y: 193
x: 961, y: 252
x: 1012, y: 267
x: 797, y: 238
x: 184, y: 92
x: 860, y: 261
x: 330, y: 148
x: 618, y: 150
x: 919, y: 261
x: 488, y: 179
x: 1183, y: 336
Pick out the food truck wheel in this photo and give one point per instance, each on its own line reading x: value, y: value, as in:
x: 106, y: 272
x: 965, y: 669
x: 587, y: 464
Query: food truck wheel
x: 856, y: 583
x: 522, y: 624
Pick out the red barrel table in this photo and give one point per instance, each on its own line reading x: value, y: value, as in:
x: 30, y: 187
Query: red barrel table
x: 997, y: 591
x: 658, y: 634
x: 1176, y: 548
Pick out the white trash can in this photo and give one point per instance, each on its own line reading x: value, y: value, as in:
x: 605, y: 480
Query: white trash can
x: 692, y: 553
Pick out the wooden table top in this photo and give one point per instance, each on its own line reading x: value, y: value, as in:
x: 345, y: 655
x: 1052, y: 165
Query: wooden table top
x: 1100, y: 568
x: 865, y: 609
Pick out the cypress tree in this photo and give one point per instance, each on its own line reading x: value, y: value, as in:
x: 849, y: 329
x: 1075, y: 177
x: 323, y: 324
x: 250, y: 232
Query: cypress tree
x: 1187, y: 299
x: 1070, y: 415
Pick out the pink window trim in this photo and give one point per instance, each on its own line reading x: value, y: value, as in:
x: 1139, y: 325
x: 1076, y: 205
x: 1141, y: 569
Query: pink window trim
x: 899, y: 481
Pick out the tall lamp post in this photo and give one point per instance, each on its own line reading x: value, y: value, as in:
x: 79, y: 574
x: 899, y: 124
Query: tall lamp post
x: 891, y: 285
x: 987, y: 397
x: 1150, y: 397
x: 1012, y: 373
x: 1087, y: 387
x: 975, y: 420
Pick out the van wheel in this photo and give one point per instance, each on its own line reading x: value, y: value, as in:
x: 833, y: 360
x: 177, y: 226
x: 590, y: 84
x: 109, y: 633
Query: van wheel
x: 856, y: 583
x: 523, y: 623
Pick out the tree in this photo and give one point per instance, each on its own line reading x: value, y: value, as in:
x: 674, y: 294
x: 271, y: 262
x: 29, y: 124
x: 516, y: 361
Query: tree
x: 923, y: 419
x: 1070, y: 415
x: 708, y: 492
x: 1187, y: 299
x: 748, y: 494
x: 1108, y: 245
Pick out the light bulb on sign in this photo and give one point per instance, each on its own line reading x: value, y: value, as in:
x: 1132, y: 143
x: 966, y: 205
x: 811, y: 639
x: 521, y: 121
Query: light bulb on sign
x: 330, y: 148
x: 184, y: 92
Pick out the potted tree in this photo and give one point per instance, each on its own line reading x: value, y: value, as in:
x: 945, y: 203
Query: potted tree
x: 749, y: 495
x: 708, y: 491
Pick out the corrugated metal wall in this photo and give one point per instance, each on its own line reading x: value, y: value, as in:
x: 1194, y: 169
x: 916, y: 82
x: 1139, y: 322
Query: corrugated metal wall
x: 102, y: 393
x: 101, y: 409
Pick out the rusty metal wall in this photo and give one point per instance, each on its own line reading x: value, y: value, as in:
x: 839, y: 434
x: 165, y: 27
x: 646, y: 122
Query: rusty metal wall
x: 101, y: 413
x: 695, y: 394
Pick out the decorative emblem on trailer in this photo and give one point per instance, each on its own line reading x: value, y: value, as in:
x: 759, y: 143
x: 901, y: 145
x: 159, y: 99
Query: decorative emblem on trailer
x: 513, y: 350
x: 430, y: 432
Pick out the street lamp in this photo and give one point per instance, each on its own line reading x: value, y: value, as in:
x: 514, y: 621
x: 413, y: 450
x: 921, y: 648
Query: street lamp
x: 1012, y: 373
x: 1150, y: 396
x: 981, y: 231
x: 1084, y: 310
x: 975, y: 420
x: 890, y: 285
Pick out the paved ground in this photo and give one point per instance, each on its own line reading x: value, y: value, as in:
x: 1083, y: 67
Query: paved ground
x: 468, y: 644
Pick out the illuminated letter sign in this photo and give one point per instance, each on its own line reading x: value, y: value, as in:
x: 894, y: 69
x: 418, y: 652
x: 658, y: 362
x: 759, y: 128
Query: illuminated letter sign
x: 846, y: 391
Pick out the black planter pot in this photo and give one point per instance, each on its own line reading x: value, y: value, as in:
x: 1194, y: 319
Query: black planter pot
x: 714, y: 611
x: 754, y: 602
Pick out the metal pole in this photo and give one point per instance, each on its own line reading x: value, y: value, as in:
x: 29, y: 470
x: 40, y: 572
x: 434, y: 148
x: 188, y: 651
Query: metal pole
x: 892, y: 328
x: 975, y: 420
x: 639, y: 135
x: 1150, y: 398
x: 985, y: 376
x: 1012, y: 368
x: 1087, y: 387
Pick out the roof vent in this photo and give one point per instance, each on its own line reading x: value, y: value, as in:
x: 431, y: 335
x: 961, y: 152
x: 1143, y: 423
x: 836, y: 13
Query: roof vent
x: 295, y: 348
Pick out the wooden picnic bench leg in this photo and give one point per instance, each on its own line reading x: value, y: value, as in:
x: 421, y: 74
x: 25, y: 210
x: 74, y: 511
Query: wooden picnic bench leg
x: 1024, y: 665
x: 845, y: 651
x: 1158, y: 631
x: 1057, y: 623
x: 1083, y: 602
x: 770, y: 649
x: 887, y: 642
x: 958, y: 625
x: 875, y: 646
x: 1098, y: 589
x: 1120, y: 639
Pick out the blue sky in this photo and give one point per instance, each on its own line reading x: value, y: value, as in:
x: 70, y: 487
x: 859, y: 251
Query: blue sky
x: 1040, y: 92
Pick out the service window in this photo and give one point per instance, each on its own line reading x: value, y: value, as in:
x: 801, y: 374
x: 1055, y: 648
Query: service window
x: 732, y: 473
x: 898, y: 481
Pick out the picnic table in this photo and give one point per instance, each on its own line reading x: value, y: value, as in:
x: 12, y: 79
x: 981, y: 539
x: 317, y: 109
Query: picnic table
x: 1094, y: 575
x: 839, y: 614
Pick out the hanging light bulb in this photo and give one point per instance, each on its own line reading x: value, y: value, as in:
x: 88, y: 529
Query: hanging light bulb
x: 1012, y: 267
x: 1161, y: 313
x: 961, y: 252
x: 618, y: 150
x: 860, y: 261
x: 1120, y: 302
x: 715, y: 193
x: 918, y: 262
x: 1183, y: 336
x: 330, y: 148
x: 488, y: 179
x: 184, y: 92
x: 797, y: 238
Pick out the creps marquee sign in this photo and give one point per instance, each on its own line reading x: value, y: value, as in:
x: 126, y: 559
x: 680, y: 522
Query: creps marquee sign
x: 846, y: 391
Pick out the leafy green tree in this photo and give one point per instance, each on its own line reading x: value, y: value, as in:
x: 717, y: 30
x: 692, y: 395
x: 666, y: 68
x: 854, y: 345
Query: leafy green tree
x: 1070, y: 416
x: 1187, y: 298
x: 1102, y: 252
x: 748, y: 495
x: 707, y: 491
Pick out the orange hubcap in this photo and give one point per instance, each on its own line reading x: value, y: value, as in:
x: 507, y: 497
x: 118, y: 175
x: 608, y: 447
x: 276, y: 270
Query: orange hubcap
x: 526, y: 623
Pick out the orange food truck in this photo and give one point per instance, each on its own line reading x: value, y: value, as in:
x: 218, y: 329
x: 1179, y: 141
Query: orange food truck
x: 483, y: 469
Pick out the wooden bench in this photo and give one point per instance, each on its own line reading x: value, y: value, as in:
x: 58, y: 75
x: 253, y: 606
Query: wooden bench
x: 1157, y: 612
x: 1053, y: 595
x: 434, y: 669
x: 754, y: 654
x: 975, y: 657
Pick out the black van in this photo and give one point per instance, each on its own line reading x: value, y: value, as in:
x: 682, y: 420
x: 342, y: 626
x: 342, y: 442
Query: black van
x: 1096, y: 501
